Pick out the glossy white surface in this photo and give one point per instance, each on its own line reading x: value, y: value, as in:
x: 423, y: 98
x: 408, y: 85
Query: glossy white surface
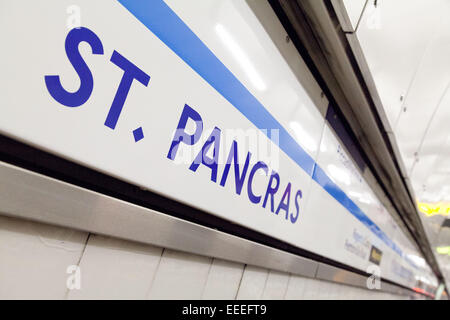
x: 106, y: 267
x: 253, y: 283
x: 148, y: 167
x: 188, y: 273
x: 34, y: 258
x: 224, y: 279
x: 407, y: 52
x: 395, y: 50
x: 354, y: 10
x: 116, y: 269
x: 233, y: 32
x: 276, y: 286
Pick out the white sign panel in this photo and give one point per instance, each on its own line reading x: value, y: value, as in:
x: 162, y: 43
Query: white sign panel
x: 194, y: 101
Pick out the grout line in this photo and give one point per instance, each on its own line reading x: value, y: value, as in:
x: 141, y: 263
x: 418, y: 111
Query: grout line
x: 433, y: 115
x: 360, y: 17
x: 154, y: 275
x: 240, y: 281
x: 412, y: 81
x: 66, y: 295
x: 287, y: 286
x: 207, y: 278
x: 265, y: 284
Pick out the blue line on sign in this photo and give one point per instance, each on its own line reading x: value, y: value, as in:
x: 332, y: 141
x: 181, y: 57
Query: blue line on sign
x: 157, y: 16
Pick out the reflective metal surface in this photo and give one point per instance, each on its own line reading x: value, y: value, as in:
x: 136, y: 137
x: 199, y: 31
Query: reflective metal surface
x: 326, y: 272
x: 319, y: 30
x: 414, y: 92
x: 349, y: 13
x: 33, y: 196
x: 29, y: 195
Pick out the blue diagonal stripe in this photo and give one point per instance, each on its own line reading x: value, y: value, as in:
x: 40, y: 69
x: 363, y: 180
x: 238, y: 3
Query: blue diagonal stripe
x: 163, y: 22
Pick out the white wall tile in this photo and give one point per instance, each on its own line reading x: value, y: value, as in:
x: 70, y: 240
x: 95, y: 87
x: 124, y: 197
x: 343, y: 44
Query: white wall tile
x: 180, y: 276
x: 252, y: 283
x: 354, y: 10
x: 116, y: 269
x: 34, y: 258
x: 311, y: 288
x: 349, y: 293
x: 324, y: 290
x: 296, y: 287
x: 223, y: 280
x: 276, y: 285
x: 335, y: 291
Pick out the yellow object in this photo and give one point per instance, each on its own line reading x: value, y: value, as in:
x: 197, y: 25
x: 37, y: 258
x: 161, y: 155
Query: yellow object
x: 443, y: 250
x: 432, y: 209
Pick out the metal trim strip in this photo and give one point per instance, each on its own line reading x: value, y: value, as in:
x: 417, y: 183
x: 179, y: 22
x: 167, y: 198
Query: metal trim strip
x: 33, y: 196
x: 159, y: 19
x: 29, y: 195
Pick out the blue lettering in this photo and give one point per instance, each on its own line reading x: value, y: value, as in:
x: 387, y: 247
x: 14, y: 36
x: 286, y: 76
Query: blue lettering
x: 271, y: 190
x: 259, y: 165
x: 202, y: 158
x: 285, y: 205
x: 239, y: 179
x: 297, y: 206
x: 53, y: 83
x: 131, y: 72
x: 180, y: 133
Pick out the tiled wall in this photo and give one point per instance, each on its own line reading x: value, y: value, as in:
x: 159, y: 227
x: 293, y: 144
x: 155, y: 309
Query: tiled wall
x: 34, y: 259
